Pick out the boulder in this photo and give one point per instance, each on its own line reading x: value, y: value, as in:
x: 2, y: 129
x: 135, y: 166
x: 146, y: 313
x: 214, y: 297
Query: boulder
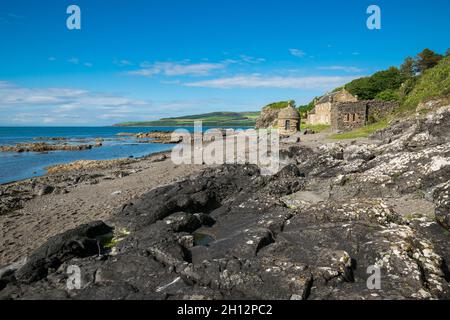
x: 43, y: 189
x: 79, y: 242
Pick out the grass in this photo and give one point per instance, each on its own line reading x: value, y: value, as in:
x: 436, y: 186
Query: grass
x: 362, y: 132
x: 397, y: 175
x: 111, y: 240
x: 434, y: 83
x: 315, y: 127
x: 278, y: 105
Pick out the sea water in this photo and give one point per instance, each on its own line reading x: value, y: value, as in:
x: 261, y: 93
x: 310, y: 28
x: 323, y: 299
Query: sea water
x: 17, y: 166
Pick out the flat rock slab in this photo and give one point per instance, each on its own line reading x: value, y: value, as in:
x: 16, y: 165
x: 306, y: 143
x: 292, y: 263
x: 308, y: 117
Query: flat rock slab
x: 305, y: 198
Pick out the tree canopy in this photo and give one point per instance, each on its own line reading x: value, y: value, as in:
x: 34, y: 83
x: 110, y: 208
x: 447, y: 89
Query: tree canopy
x: 408, y: 68
x: 369, y: 87
x: 427, y: 59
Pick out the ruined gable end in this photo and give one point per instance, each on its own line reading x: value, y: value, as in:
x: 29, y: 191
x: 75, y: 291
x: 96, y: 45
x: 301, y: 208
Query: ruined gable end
x: 322, y: 112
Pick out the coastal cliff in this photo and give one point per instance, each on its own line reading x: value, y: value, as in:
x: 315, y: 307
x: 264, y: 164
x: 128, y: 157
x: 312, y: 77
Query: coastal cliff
x: 269, y: 115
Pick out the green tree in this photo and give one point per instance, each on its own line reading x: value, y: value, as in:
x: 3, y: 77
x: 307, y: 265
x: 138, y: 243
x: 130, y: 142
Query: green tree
x: 435, y: 83
x: 427, y: 59
x: 408, y: 68
x: 407, y: 87
x: 367, y: 88
x: 388, y: 95
x: 448, y: 52
x: 304, y: 109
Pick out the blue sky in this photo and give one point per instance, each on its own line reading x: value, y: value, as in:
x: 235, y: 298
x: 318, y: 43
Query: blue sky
x: 143, y: 60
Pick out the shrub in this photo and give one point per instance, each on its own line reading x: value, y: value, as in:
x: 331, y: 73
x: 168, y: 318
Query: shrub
x: 388, y: 95
x: 279, y: 105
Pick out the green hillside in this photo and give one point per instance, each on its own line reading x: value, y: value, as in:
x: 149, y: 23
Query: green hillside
x: 418, y: 80
x: 279, y: 105
x: 434, y: 83
x: 213, y: 119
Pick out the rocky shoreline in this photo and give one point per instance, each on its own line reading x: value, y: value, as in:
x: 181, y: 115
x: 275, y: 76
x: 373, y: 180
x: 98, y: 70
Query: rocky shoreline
x: 310, y: 232
x: 48, y: 144
x: 45, y: 147
x: 166, y: 137
x: 61, y: 178
x: 163, y: 137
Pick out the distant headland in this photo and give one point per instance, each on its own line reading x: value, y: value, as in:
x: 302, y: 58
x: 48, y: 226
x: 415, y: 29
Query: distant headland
x: 213, y: 119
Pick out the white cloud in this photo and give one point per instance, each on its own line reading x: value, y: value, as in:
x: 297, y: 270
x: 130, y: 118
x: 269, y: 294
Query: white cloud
x: 69, y: 106
x: 123, y: 63
x: 297, y: 53
x: 177, y: 69
x: 11, y: 95
x: 252, y: 60
x: 66, y: 105
x: 74, y: 60
x: 9, y: 18
x: 342, y: 68
x: 187, y: 68
x: 259, y: 81
x: 49, y: 120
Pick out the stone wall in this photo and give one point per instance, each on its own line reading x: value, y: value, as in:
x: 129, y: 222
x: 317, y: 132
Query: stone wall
x: 377, y: 109
x: 344, y: 96
x: 288, y: 127
x: 321, y: 114
x: 350, y: 115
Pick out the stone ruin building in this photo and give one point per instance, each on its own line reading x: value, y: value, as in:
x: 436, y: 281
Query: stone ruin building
x: 342, y: 111
x: 288, y: 120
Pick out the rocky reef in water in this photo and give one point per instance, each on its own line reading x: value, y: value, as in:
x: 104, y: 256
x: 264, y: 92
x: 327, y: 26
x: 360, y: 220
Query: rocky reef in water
x: 46, y: 147
x: 310, y: 232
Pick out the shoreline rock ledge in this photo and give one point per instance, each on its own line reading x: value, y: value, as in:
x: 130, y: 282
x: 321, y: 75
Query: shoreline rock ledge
x: 312, y: 231
x: 45, y: 147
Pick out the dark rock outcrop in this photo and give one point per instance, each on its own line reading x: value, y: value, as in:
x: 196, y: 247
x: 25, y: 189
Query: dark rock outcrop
x: 79, y: 242
x: 442, y: 198
x: 163, y: 137
x: 45, y: 147
x: 313, y: 231
x: 268, y: 118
